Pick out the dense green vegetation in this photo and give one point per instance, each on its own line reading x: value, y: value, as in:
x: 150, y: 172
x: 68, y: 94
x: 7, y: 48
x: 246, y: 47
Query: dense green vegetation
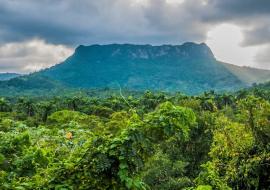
x: 147, y: 141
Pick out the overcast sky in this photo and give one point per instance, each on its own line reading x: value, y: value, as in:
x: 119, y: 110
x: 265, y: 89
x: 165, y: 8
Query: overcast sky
x: 40, y: 33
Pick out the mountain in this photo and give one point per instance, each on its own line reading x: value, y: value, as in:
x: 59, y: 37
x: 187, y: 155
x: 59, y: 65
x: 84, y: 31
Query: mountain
x: 249, y: 75
x: 7, y: 76
x: 31, y: 85
x: 190, y: 68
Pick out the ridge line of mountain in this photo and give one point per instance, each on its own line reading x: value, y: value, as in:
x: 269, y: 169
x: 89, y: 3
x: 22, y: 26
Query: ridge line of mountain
x: 190, y: 68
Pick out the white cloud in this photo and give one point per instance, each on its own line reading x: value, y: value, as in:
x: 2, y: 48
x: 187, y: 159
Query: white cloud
x: 30, y: 56
x: 263, y: 57
x: 175, y: 1
x: 225, y: 41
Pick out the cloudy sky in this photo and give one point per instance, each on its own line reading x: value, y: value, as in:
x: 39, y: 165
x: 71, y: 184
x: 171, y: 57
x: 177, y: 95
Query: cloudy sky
x: 37, y: 34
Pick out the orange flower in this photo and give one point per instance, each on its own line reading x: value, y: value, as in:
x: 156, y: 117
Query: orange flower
x: 69, y: 135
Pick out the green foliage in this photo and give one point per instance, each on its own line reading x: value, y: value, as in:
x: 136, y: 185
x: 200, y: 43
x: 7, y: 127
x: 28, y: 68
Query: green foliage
x: 152, y: 141
x: 66, y: 116
x: 161, y: 172
x: 170, y: 120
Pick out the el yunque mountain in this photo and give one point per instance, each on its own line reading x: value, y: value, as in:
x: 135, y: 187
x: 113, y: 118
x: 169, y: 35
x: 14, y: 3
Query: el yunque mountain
x: 189, y: 68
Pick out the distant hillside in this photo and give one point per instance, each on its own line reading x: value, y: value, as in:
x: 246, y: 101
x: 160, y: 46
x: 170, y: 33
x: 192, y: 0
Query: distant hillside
x: 249, y: 75
x: 7, y: 76
x: 32, y: 84
x: 190, y: 68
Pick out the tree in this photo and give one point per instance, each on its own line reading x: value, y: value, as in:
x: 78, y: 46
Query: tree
x: 4, y: 105
x: 26, y: 106
x: 45, y: 108
x: 255, y: 112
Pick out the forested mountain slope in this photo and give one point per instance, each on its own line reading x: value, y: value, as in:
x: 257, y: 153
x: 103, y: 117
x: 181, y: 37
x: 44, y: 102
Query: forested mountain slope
x: 248, y: 74
x: 8, y: 76
x: 190, y: 68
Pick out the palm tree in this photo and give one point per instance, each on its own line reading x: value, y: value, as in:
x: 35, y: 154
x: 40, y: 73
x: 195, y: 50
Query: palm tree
x: 26, y: 106
x: 4, y: 105
x: 45, y: 108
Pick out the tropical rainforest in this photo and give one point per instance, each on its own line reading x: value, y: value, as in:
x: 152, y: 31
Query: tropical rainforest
x: 136, y: 141
x: 69, y: 127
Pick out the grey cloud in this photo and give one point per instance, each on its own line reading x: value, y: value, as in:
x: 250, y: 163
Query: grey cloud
x: 263, y: 58
x: 71, y: 22
x: 28, y: 56
x: 105, y: 21
x: 177, y: 22
x: 236, y: 9
x: 102, y: 21
x: 244, y: 7
x: 252, y: 15
x: 55, y: 21
x: 259, y: 35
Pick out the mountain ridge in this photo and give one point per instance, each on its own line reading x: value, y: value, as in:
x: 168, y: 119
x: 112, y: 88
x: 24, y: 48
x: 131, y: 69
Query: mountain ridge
x: 250, y: 75
x: 8, y: 76
x: 166, y: 67
x: 190, y: 68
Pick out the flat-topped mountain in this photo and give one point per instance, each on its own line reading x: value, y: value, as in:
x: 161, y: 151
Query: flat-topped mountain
x: 190, y: 68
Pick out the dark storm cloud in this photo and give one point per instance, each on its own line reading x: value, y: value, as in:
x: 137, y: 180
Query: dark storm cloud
x: 252, y: 15
x: 258, y: 35
x: 55, y: 21
x: 68, y: 22
x: 105, y: 21
x: 235, y: 9
x: 71, y: 22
